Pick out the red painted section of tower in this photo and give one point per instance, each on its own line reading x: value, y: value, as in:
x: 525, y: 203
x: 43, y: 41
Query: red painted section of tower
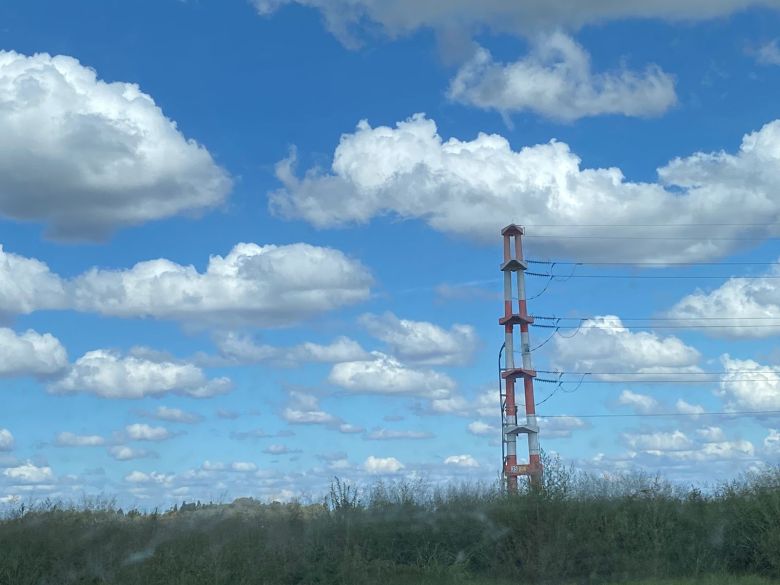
x: 510, y: 430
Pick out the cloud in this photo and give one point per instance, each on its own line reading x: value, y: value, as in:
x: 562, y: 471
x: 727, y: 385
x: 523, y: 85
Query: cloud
x: 421, y: 342
x: 125, y: 453
x: 639, y: 402
x: 73, y: 440
x: 748, y: 385
x: 711, y: 434
x: 473, y: 188
x: 27, y: 285
x: 29, y: 473
x: 604, y: 344
x: 259, y: 434
x: 109, y: 374
x: 174, y: 415
x: 304, y: 409
x: 772, y: 442
x: 149, y: 478
x: 253, y: 285
x: 280, y: 450
x: 7, y: 441
x: 382, y: 434
x: 143, y: 432
x: 659, y: 441
x: 768, y: 53
x: 238, y: 348
x: 400, y: 17
x: 386, y: 375
x: 752, y: 307
x: 485, y: 404
x: 86, y: 157
x: 243, y: 466
x: 382, y: 466
x: 481, y: 429
x: 560, y: 427
x: 556, y: 81
x: 461, y: 461
x: 709, y: 452
x: 684, y: 407
x: 350, y: 429
x: 30, y: 354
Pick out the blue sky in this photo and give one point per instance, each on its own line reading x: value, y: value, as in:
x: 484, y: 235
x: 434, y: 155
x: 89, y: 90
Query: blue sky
x: 248, y: 246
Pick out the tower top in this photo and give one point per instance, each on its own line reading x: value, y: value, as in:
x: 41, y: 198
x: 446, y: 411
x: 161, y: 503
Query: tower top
x: 513, y: 230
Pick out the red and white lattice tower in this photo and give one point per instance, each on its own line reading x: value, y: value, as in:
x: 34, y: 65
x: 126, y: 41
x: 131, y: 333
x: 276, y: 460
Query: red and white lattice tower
x: 510, y: 373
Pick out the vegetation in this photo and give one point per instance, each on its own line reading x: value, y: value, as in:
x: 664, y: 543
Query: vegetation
x: 629, y: 529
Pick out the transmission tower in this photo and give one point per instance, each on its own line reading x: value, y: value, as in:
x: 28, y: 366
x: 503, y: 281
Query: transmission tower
x: 509, y: 373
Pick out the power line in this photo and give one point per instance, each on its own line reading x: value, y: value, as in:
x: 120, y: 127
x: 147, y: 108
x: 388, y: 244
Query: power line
x: 643, y: 263
x: 665, y: 381
x: 593, y: 318
x: 657, y: 276
x: 658, y: 373
x: 654, y: 326
x: 650, y: 225
x: 735, y: 414
x: 697, y: 238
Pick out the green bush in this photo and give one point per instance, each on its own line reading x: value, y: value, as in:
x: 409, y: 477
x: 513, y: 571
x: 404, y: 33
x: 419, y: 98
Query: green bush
x: 575, y: 528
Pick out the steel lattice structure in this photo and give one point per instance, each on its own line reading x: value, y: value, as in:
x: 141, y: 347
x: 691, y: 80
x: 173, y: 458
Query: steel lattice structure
x: 509, y: 373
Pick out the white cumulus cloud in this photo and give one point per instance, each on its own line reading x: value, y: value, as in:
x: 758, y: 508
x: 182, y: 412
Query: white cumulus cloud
x: 687, y: 408
x: 481, y: 428
x: 29, y: 473
x: 472, y: 188
x: 87, y: 157
x: 174, y: 415
x: 560, y: 427
x: 260, y: 285
x: 659, y: 441
x: 556, y: 81
x: 421, y: 342
x: 461, y: 461
x: 382, y: 466
x: 143, y: 432
x: 73, y: 440
x: 30, y: 354
x: 640, y: 402
x: 238, y: 348
x: 772, y: 442
x: 7, y: 441
x: 125, y: 453
x: 382, y: 434
x: 304, y: 409
x: 386, y: 375
x: 749, y: 385
x: 604, y: 345
x: 109, y: 374
x: 27, y: 285
x: 398, y: 17
x: 751, y: 305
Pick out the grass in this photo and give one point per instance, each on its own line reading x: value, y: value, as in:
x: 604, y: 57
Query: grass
x: 577, y: 529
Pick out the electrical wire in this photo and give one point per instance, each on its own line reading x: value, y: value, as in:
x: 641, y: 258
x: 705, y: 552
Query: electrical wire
x: 593, y: 318
x: 558, y: 372
x: 659, y: 276
x: 667, y: 238
x: 644, y: 263
x: 650, y: 225
x: 734, y: 414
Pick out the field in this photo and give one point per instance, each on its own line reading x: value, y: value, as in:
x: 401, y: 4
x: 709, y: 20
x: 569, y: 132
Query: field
x: 631, y: 529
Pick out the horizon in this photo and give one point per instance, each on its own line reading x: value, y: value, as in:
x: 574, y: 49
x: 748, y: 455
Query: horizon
x: 248, y: 247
